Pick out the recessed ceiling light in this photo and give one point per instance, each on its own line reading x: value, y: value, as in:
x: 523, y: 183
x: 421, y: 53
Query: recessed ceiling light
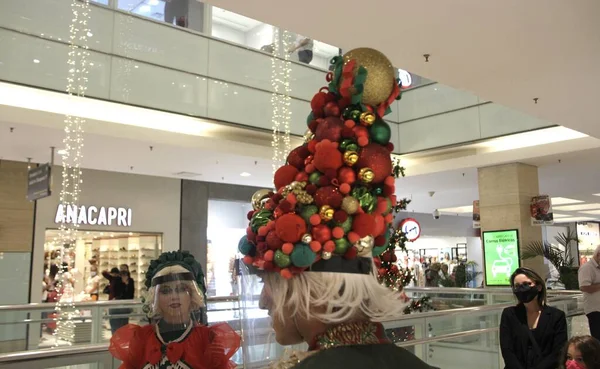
x: 62, y: 152
x: 36, y: 61
x: 564, y: 200
x: 245, y: 174
x: 458, y: 209
x: 578, y: 207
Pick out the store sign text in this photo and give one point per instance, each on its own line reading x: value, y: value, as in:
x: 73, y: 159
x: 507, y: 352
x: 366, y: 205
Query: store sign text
x: 92, y: 215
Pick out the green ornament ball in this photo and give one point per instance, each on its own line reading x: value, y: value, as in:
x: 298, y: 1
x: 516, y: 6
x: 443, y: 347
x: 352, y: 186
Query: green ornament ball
x: 346, y: 225
x: 346, y: 142
x: 341, y: 246
x: 308, y: 211
x: 378, y: 250
x: 310, y: 118
x: 245, y: 247
x: 281, y: 260
x: 314, y: 177
x: 380, y: 132
x: 259, y: 219
x: 302, y: 256
x: 352, y: 147
x: 352, y: 112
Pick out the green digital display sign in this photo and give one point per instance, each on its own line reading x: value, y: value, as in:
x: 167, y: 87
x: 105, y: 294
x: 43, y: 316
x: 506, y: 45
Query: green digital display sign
x: 501, y: 255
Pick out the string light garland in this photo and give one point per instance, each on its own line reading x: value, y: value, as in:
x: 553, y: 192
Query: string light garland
x: 280, y: 98
x: 77, y: 81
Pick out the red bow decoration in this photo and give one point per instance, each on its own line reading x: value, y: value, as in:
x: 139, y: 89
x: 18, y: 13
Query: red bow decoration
x: 174, y: 352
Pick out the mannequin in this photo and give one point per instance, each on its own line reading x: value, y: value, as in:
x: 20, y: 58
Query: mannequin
x: 175, y: 339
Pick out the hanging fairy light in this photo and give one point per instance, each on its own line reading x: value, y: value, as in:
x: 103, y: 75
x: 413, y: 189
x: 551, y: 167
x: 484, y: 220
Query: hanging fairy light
x: 77, y: 81
x: 280, y: 98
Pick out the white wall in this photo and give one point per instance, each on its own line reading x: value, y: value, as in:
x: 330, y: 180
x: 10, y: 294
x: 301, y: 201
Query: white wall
x: 259, y: 36
x: 227, y: 33
x: 155, y: 204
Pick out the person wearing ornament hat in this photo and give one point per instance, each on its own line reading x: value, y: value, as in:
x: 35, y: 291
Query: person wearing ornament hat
x: 313, y: 239
x: 175, y: 339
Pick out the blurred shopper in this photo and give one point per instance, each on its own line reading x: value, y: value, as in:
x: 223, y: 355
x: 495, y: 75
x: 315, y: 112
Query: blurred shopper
x: 92, y: 286
x: 589, y: 284
x: 582, y: 352
x: 116, y: 289
x: 531, y: 333
x: 304, y: 46
x: 176, y: 11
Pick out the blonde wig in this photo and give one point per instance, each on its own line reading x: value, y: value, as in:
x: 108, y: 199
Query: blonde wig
x: 333, y: 297
x: 197, y: 299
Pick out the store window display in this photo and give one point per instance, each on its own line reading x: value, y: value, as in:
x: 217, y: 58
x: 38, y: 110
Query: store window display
x: 175, y: 338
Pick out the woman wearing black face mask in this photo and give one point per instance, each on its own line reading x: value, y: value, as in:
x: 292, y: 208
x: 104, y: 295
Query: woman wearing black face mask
x: 531, y: 333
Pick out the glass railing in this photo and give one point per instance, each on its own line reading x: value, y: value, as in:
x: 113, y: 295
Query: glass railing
x: 459, y: 338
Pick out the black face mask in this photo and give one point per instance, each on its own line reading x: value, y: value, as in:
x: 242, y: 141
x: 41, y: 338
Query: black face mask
x: 525, y: 293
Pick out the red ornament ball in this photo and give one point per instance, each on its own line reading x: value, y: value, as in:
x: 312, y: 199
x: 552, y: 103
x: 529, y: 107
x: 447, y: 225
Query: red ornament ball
x: 328, y: 157
x: 345, y: 188
x: 302, y: 177
x: 287, y: 248
x: 290, y: 227
x: 329, y: 246
x: 312, y: 146
x: 363, y: 225
x: 313, y: 125
x: 353, y: 237
x: 328, y: 195
x: 377, y: 158
x: 321, y: 233
x: 315, y: 219
x: 330, y: 129
x: 284, y: 176
x: 315, y: 246
x: 297, y: 156
x: 346, y: 175
x: 337, y: 232
x: 250, y: 214
x: 379, y: 225
x: 268, y: 256
x: 390, y: 147
x: 318, y: 103
x: 273, y: 241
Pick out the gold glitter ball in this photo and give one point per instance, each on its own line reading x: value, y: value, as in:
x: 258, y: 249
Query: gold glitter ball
x: 350, y: 157
x: 380, y: 74
x: 367, y: 118
x: 326, y: 212
x: 350, y: 205
x: 366, y: 175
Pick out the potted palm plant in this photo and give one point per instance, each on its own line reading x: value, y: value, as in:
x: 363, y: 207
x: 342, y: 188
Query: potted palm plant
x: 561, y: 259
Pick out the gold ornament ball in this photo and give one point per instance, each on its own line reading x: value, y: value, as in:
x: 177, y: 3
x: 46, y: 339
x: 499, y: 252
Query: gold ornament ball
x: 326, y: 212
x: 366, y: 175
x: 380, y: 74
x: 350, y: 157
x: 367, y: 118
x: 364, y: 246
x: 307, y: 238
x: 258, y: 197
x: 326, y: 255
x: 350, y: 205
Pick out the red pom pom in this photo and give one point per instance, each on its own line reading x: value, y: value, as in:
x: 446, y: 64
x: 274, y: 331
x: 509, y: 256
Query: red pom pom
x: 310, y: 168
x: 353, y: 237
x: 345, y: 188
x: 332, y: 109
x: 328, y: 195
x: 361, y: 131
x: 377, y: 158
x: 347, y: 132
x: 382, y: 205
x: 363, y: 141
x: 312, y: 146
x: 285, y: 206
x: 291, y: 198
x: 297, y: 156
x: 389, y: 181
x: 286, y: 273
x: 321, y: 233
x: 262, y: 231
x: 349, y: 123
x: 287, y: 248
x: 388, y: 191
x: 340, y: 216
x: 338, y: 232
x: 311, y: 189
x: 389, y: 218
x: 290, y: 227
x: 269, y: 255
x: 250, y: 214
x: 393, y: 199
x: 318, y: 103
x: 380, y: 241
x: 284, y: 176
x: 302, y: 177
x: 351, y: 253
x: 328, y: 157
x: 315, y: 246
x: 248, y: 260
x: 346, y: 175
x: 273, y: 242
x: 379, y: 225
x: 390, y: 147
x: 260, y: 239
x: 329, y: 246
x: 324, y: 181
x: 261, y: 247
x: 363, y: 225
x: 313, y: 125
x: 329, y: 129
x: 271, y: 225
x: 277, y: 198
x: 270, y: 205
x: 315, y: 219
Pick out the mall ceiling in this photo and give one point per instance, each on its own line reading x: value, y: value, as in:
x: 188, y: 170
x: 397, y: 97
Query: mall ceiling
x: 510, y: 51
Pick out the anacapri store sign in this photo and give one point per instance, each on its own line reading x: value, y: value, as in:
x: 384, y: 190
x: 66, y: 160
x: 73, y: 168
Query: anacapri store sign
x: 93, y: 215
